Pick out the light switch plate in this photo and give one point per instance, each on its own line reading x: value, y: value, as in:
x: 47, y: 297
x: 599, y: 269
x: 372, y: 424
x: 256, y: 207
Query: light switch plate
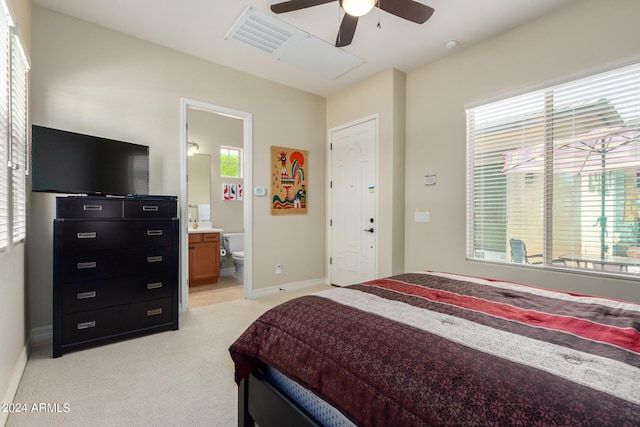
x: 422, y: 216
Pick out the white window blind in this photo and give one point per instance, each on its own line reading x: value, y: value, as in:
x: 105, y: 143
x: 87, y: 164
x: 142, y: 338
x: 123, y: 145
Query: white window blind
x: 4, y: 121
x: 557, y: 171
x: 19, y: 138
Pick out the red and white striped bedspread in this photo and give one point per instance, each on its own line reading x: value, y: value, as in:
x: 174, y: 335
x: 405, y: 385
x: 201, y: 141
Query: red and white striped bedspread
x: 441, y: 349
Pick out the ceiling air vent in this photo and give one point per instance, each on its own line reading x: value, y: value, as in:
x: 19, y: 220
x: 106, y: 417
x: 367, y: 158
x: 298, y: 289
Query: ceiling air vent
x: 291, y: 45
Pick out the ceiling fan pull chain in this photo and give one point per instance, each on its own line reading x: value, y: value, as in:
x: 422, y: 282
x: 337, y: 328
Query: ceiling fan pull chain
x: 378, y: 4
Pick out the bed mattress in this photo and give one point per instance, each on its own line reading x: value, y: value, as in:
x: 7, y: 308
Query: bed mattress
x: 320, y: 410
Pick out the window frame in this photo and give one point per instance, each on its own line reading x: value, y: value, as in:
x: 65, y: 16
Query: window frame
x: 14, y: 133
x: 6, y: 25
x: 239, y: 163
x: 552, y: 120
x: 19, y: 137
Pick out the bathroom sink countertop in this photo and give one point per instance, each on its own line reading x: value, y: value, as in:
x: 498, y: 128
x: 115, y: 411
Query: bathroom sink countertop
x: 205, y: 230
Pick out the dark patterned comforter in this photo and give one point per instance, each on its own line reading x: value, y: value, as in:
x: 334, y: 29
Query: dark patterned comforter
x: 439, y: 349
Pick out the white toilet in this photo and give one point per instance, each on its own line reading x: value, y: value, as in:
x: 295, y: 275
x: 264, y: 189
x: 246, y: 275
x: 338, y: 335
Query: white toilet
x: 234, y: 244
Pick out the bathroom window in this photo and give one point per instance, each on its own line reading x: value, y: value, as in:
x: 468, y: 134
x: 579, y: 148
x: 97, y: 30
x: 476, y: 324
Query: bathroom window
x: 230, y: 162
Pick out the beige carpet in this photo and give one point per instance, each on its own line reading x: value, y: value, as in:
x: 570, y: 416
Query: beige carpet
x: 182, y: 377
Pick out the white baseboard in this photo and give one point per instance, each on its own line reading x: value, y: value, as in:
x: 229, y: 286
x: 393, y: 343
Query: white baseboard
x: 10, y: 394
x: 43, y: 333
x: 273, y: 290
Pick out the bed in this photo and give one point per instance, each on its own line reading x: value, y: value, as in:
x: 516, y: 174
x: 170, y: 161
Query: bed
x: 430, y: 348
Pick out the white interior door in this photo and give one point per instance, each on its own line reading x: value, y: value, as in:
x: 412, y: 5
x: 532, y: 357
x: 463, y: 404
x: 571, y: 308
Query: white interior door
x: 353, y: 203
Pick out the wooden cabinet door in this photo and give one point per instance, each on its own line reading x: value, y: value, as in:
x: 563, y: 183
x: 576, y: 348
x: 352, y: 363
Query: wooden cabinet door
x: 203, y: 266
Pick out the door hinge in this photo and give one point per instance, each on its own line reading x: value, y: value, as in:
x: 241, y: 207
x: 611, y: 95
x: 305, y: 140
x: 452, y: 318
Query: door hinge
x: 330, y: 223
x: 330, y: 260
x: 330, y: 184
x: 330, y: 146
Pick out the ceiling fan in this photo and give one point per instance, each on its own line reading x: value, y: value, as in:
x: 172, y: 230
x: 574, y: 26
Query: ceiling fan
x: 405, y: 9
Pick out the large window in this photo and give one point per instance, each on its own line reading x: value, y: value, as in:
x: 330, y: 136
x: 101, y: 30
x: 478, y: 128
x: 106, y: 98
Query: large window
x: 4, y: 128
x: 13, y: 133
x: 19, y: 132
x: 554, y: 176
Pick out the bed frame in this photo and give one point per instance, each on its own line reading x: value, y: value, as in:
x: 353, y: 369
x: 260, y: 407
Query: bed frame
x: 259, y: 402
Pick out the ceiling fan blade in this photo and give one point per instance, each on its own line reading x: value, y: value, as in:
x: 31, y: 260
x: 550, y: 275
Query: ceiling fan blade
x: 347, y: 30
x: 290, y: 6
x: 407, y: 9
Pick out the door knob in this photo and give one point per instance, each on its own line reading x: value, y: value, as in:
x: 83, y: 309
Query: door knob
x: 369, y: 230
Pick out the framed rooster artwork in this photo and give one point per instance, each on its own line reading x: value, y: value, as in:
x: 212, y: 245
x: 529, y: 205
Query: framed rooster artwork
x: 289, y: 170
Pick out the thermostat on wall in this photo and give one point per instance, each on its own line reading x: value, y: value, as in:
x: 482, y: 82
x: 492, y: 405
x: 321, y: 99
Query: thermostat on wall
x: 260, y: 191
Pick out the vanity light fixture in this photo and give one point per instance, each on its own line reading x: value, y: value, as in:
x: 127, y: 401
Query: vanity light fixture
x: 192, y: 148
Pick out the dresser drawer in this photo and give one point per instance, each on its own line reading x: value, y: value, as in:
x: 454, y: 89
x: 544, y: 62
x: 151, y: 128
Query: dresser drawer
x: 91, y: 295
x: 151, y: 232
x: 88, y: 208
x: 81, y: 327
x: 96, y: 265
x: 150, y: 209
x: 82, y: 236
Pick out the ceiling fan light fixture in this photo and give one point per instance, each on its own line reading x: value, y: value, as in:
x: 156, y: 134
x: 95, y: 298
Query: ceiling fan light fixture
x: 358, y: 7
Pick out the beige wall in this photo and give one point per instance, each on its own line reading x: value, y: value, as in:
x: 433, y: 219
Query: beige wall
x: 384, y: 95
x: 581, y: 38
x: 89, y: 79
x: 13, y: 293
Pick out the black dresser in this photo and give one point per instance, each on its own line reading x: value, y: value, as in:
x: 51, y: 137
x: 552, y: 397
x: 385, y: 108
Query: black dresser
x: 115, y: 269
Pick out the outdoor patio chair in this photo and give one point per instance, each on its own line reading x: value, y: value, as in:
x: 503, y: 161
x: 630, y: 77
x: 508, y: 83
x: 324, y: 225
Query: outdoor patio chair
x: 519, y: 253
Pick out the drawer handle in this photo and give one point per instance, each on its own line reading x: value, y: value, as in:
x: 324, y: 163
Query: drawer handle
x: 154, y: 258
x: 156, y: 285
x: 86, y: 295
x: 87, y: 235
x: 154, y: 312
x: 154, y: 232
x: 150, y: 208
x: 92, y: 207
x: 87, y: 325
x: 85, y: 265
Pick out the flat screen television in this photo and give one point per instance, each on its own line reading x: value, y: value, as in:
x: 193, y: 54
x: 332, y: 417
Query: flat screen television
x: 73, y: 163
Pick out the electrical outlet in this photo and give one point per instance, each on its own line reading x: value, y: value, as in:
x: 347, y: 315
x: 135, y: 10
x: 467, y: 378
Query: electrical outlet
x: 278, y: 268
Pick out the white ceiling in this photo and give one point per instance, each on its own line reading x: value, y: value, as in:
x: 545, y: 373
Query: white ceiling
x: 198, y: 27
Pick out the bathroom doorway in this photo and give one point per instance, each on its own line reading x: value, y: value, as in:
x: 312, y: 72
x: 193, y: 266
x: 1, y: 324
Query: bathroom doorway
x: 208, y: 132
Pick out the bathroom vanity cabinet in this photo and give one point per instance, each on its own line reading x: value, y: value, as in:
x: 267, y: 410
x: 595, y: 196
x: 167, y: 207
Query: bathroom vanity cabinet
x: 115, y: 269
x: 204, y: 258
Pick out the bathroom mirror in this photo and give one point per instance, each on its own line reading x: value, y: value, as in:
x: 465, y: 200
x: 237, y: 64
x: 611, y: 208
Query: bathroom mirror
x: 198, y: 184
